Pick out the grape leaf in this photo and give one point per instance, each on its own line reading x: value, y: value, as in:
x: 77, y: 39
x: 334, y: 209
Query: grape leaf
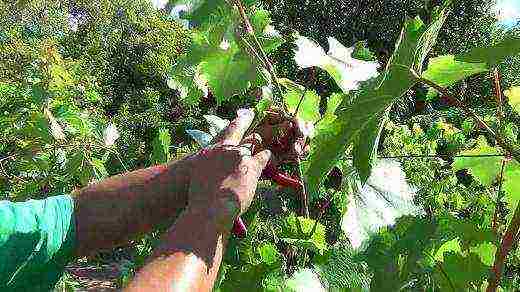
x: 201, y: 11
x: 492, y: 55
x: 304, y: 280
x: 463, y: 272
x: 446, y: 71
x: 161, y: 147
x: 309, y: 110
x: 385, y: 197
x: 291, y: 85
x: 299, y: 231
x: 40, y: 127
x: 269, y: 254
x: 342, y: 268
x: 452, y: 246
x: 99, y: 169
x: 362, y: 52
x: 228, y: 73
x: 511, y: 185
x: 429, y: 38
x: 263, y: 105
x: 269, y: 38
x: 487, y: 170
x: 375, y: 96
x: 188, y: 81
x: 513, y: 94
x: 365, y: 149
x: 77, y: 122
x: 338, y: 62
x: 486, y: 253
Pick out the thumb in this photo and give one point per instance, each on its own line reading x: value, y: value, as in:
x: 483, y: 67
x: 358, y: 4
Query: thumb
x: 262, y: 158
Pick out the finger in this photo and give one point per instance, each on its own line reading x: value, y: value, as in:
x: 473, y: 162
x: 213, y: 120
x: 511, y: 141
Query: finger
x: 262, y: 159
x: 234, y: 132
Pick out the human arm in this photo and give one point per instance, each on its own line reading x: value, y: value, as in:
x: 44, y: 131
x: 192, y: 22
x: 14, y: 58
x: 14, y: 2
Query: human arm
x: 121, y: 207
x: 221, y: 188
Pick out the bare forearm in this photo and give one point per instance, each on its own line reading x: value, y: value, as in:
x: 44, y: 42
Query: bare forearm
x: 121, y: 207
x: 188, y: 258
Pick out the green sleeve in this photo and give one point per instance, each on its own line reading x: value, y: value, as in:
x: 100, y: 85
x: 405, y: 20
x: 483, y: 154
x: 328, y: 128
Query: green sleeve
x: 37, y: 240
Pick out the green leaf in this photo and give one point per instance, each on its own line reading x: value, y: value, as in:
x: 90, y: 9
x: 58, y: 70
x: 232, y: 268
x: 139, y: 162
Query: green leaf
x: 260, y: 19
x: 452, y: 246
x: 362, y: 52
x: 77, y: 122
x: 486, y: 253
x: 513, y: 95
x: 463, y: 272
x: 333, y: 102
x: 244, y: 278
x: 492, y: 55
x: 291, y: 85
x: 429, y: 38
x: 330, y: 141
x: 365, y: 150
x: 511, y: 186
x: 385, y: 197
x: 228, y: 73
x: 40, y: 127
x: 309, y: 110
x: 274, y: 282
x: 268, y: 37
x: 261, y: 107
x: 344, y: 269
x: 99, y: 169
x: 202, y: 11
x: 299, y: 231
x: 446, y: 71
x: 161, y: 147
x: 485, y: 169
x: 269, y: 254
x: 375, y: 97
x: 328, y: 118
x: 188, y: 81
x: 305, y: 280
x: 338, y: 62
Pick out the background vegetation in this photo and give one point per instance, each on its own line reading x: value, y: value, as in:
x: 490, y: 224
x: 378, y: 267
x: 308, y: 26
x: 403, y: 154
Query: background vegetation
x: 92, y: 89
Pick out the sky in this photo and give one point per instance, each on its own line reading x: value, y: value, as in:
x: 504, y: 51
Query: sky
x: 159, y: 4
x: 508, y: 12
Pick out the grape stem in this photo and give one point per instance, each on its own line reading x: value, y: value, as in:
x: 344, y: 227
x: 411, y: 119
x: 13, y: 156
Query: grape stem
x: 303, y: 189
x: 508, y: 239
x: 512, y: 231
x: 456, y: 100
x: 257, y: 46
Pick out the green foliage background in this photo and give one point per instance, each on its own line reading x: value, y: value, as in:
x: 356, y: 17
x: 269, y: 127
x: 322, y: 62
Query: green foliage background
x: 60, y: 88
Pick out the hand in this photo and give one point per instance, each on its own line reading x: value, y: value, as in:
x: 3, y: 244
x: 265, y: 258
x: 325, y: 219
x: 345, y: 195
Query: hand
x: 224, y: 176
x: 283, y: 137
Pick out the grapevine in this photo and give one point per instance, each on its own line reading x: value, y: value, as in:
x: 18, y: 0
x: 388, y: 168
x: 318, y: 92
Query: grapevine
x: 395, y: 160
